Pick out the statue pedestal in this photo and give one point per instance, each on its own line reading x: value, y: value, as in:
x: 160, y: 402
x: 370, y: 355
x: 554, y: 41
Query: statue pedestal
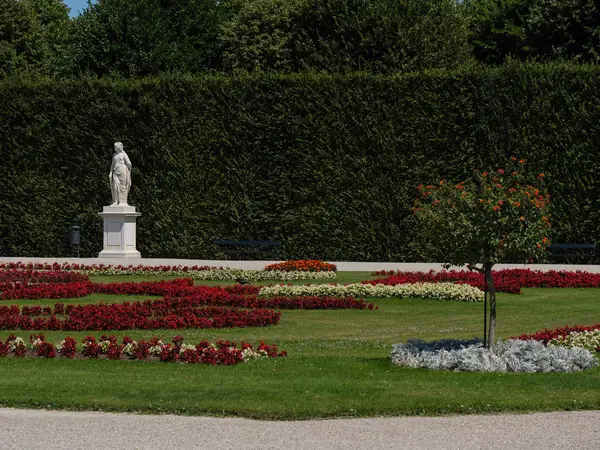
x: 119, y: 232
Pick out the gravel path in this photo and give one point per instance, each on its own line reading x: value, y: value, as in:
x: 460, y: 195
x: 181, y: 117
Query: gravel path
x: 40, y: 429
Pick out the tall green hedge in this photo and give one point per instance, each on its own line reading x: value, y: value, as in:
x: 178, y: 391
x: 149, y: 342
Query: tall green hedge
x: 327, y: 164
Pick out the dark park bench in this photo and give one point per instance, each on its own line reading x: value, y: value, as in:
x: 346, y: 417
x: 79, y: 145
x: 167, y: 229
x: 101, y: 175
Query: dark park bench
x: 241, y: 249
x: 572, y: 252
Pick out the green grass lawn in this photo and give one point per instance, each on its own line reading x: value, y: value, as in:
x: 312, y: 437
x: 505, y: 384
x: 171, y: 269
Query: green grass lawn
x: 338, y: 365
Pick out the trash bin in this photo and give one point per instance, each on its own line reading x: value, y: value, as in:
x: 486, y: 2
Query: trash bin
x: 74, y: 235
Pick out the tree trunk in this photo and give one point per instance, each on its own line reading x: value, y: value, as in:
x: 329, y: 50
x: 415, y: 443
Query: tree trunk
x: 491, y: 338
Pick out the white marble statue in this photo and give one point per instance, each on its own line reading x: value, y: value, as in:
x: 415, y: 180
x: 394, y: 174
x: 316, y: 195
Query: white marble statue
x: 120, y: 176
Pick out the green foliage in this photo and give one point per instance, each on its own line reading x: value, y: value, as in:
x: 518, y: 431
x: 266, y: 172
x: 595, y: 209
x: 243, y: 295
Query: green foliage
x: 493, y: 217
x: 134, y: 38
x: 565, y: 29
x: 258, y: 34
x: 498, y: 29
x: 328, y: 165
x: 383, y: 36
x: 534, y: 29
x: 139, y: 37
x: 32, y: 36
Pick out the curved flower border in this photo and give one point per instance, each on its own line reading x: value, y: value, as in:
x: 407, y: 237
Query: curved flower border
x: 194, y: 272
x: 107, y: 347
x: 182, y: 306
x: 505, y: 280
x: 568, y: 336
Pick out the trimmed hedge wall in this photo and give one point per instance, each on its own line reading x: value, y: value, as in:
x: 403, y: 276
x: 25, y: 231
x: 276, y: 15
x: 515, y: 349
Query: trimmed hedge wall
x: 327, y: 164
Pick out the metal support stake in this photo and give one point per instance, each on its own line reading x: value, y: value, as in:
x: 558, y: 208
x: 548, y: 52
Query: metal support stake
x: 485, y: 294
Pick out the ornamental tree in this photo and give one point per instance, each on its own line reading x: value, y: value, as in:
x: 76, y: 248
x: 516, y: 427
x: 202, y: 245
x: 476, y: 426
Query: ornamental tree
x: 500, y: 215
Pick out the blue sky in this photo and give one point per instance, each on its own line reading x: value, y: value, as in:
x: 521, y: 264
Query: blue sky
x: 77, y: 6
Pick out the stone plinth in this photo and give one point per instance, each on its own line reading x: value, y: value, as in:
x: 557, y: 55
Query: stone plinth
x: 119, y: 232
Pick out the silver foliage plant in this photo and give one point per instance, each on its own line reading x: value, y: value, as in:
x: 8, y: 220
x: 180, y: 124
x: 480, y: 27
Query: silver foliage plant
x: 506, y: 356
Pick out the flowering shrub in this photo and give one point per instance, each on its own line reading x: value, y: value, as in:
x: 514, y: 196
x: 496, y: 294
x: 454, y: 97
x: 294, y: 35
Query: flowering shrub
x: 194, y: 272
x: 440, y: 291
x: 504, y: 356
x: 221, y: 353
x: 302, y: 265
x: 506, y: 280
x: 497, y: 215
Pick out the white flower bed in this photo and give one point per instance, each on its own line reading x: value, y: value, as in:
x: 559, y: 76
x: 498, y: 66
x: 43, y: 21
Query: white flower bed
x: 506, y: 356
x: 258, y: 275
x: 584, y: 339
x: 219, y: 274
x: 440, y: 291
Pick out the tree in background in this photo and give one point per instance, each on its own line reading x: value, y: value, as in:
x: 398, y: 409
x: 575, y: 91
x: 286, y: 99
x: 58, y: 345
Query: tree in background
x: 33, y: 34
x: 498, y: 216
x: 133, y: 38
x: 565, y: 29
x: 498, y: 29
x: 382, y: 36
x: 257, y: 34
x: 534, y: 29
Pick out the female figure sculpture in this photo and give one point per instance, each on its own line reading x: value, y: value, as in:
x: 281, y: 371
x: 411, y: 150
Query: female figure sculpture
x: 120, y: 176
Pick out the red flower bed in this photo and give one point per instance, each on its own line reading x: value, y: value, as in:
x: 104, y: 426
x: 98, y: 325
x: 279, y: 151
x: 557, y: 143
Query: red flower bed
x: 547, y: 335
x: 245, y: 289
x: 81, y: 289
x: 506, y: 280
x: 183, y: 306
x: 303, y: 265
x: 68, y: 266
x: 46, y: 290
x: 172, y: 314
x: 30, y: 276
x: 170, y: 287
x: 222, y: 353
